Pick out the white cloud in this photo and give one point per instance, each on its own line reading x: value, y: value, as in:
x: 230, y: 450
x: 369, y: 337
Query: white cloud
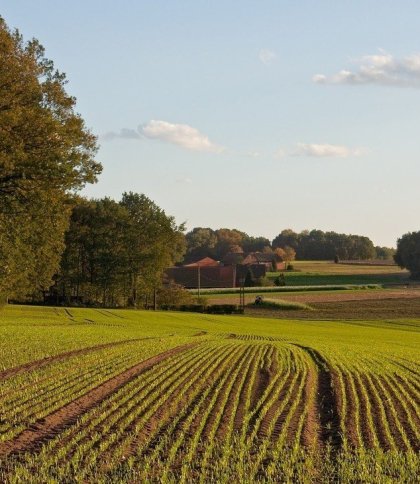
x: 124, y: 133
x: 382, y: 69
x: 326, y: 150
x: 179, y: 134
x: 267, y: 56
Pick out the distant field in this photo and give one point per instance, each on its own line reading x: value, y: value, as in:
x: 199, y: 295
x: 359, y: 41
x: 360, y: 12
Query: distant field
x: 92, y: 395
x: 321, y: 272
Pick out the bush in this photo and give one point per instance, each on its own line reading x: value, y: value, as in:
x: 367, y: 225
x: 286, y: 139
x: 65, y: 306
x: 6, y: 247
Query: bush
x: 173, y: 295
x: 290, y: 267
x: 263, y: 282
x: 280, y: 280
x: 408, y: 253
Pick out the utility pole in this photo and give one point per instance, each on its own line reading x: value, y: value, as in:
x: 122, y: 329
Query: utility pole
x: 199, y: 280
x: 242, y: 293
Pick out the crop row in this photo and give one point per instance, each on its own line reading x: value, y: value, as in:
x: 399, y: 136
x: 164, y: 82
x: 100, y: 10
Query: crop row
x: 229, y: 403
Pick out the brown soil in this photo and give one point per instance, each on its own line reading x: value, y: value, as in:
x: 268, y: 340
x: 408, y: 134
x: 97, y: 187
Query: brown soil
x: 263, y: 430
x: 218, y: 406
x: 411, y: 406
x: 262, y: 379
x: 56, y: 422
x: 356, y: 309
x: 229, y: 413
x: 403, y: 416
x: 34, y: 365
x: 326, y: 401
x: 376, y: 414
x: 311, y: 427
x: 365, y: 429
x: 330, y: 296
x: 350, y: 417
x: 161, y: 418
x: 241, y: 409
x: 388, y: 402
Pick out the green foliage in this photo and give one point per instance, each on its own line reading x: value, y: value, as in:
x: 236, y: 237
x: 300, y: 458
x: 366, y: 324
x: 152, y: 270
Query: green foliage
x: 319, y: 245
x: 408, y: 253
x: 385, y: 253
x: 46, y: 151
x: 280, y: 280
x: 174, y: 295
x: 116, y: 252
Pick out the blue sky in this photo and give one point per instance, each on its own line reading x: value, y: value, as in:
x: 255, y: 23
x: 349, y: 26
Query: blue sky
x: 254, y: 115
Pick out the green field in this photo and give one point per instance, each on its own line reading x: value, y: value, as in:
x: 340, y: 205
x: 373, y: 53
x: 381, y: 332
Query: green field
x: 308, y: 273
x: 135, y: 396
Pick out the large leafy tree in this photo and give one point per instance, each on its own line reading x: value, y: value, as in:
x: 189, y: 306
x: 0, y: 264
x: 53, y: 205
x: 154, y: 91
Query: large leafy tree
x: 116, y: 252
x: 408, y: 253
x: 46, y: 153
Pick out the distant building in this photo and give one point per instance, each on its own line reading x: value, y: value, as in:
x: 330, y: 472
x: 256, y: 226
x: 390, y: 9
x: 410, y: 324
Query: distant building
x: 206, y: 262
x: 194, y: 276
x: 261, y: 258
x: 208, y: 273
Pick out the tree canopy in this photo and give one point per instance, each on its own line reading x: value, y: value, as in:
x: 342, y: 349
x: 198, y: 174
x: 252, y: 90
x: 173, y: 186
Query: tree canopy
x: 46, y: 153
x: 116, y: 252
x: 408, y: 253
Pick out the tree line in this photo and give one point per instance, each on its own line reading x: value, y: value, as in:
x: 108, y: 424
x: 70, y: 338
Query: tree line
x: 307, y: 245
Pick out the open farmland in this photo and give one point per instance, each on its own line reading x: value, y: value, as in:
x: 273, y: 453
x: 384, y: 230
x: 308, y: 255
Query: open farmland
x: 109, y: 396
x: 325, y: 272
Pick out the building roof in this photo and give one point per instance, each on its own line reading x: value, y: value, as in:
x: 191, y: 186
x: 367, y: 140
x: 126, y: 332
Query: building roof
x: 206, y: 262
x: 258, y: 258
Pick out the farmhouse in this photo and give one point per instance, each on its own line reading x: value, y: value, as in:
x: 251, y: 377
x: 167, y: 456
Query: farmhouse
x: 193, y: 276
x: 268, y: 260
x: 209, y: 273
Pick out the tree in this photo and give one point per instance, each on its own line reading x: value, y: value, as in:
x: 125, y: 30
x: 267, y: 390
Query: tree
x: 385, y: 253
x: 289, y: 255
x: 46, y: 153
x: 201, y: 243
x: 116, y: 252
x: 408, y: 253
x: 287, y: 237
x: 154, y: 242
x: 227, y: 238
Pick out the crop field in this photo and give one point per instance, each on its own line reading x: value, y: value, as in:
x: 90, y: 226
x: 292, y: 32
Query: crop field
x: 324, y: 272
x: 93, y: 395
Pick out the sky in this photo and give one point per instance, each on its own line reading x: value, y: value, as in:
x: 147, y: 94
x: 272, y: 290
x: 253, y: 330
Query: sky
x: 255, y: 115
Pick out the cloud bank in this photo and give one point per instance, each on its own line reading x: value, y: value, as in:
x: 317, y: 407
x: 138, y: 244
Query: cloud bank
x: 381, y: 69
x: 178, y: 134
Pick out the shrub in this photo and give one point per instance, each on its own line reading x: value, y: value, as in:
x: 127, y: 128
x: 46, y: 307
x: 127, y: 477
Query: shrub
x: 173, y: 295
x: 280, y: 280
x: 263, y: 282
